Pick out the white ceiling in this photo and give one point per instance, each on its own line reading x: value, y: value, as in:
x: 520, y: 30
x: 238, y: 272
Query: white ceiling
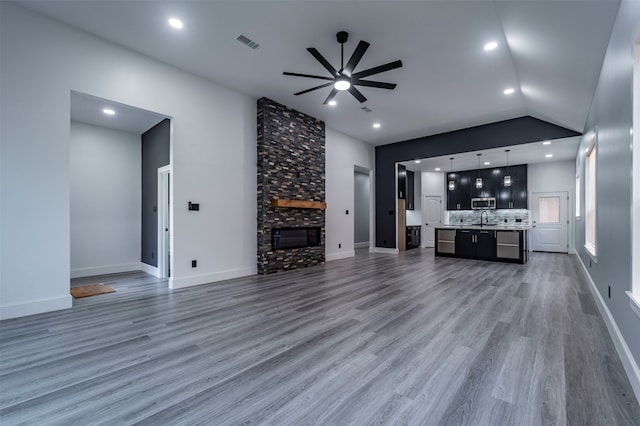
x: 89, y: 109
x: 560, y: 149
x: 550, y: 51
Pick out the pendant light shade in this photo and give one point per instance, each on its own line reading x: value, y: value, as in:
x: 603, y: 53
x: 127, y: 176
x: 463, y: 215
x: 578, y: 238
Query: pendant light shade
x: 452, y: 184
x: 479, y: 180
x: 506, y: 181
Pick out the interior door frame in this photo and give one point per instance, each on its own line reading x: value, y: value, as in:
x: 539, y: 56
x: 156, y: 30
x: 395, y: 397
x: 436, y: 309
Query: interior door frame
x: 164, y: 221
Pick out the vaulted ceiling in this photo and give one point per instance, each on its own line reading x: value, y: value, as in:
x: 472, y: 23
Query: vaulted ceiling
x: 550, y: 52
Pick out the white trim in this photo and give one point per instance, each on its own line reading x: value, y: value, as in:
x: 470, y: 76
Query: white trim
x: 150, y: 269
x: 635, y: 303
x: 164, y: 175
x: 385, y: 250
x: 361, y: 245
x: 103, y: 270
x: 193, y: 280
x: 35, y: 306
x: 341, y: 255
x: 629, y: 364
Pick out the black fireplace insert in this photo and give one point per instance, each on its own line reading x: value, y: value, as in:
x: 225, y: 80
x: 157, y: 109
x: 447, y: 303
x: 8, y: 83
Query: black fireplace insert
x: 289, y: 238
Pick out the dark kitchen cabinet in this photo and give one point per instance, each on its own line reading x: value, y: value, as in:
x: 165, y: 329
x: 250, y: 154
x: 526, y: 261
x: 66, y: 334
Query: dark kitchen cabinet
x: 413, y: 236
x: 482, y: 183
x: 402, y: 182
x: 515, y: 195
x: 458, y: 191
x: 410, y: 190
x: 476, y: 244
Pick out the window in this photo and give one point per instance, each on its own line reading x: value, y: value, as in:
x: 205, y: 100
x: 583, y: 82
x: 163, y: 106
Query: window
x: 577, y: 196
x: 634, y: 294
x: 590, y: 198
x: 549, y: 209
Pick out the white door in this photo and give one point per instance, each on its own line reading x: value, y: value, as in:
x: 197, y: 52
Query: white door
x: 431, y: 217
x: 550, y: 222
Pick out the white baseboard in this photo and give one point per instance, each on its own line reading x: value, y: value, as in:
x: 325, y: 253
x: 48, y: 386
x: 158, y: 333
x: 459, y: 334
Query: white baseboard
x: 364, y: 244
x: 35, y: 306
x: 629, y: 364
x: 385, y: 250
x: 144, y: 267
x: 192, y: 280
x: 102, y: 270
x: 340, y: 255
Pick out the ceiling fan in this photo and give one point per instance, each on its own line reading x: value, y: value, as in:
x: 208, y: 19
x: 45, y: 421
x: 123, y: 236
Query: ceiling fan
x: 345, y: 78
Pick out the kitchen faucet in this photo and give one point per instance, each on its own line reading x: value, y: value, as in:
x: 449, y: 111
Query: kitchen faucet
x: 483, y: 212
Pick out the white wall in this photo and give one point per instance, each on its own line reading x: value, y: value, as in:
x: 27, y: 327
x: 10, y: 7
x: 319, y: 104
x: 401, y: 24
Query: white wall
x: 213, y: 158
x: 105, y: 200
x: 342, y: 154
x: 557, y: 176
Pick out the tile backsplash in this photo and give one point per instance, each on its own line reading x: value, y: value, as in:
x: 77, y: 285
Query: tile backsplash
x: 500, y: 217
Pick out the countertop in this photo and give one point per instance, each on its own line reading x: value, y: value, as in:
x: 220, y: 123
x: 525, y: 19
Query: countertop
x: 495, y: 227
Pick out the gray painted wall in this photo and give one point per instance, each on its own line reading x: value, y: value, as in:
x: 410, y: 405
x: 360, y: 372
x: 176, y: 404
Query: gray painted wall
x: 611, y: 113
x: 361, y: 207
x: 155, y: 154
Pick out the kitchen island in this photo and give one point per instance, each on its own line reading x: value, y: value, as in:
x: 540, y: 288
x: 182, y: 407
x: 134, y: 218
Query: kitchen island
x: 485, y: 242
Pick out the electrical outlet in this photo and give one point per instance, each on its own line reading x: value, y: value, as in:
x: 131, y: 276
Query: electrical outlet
x: 609, y: 292
x: 194, y: 263
x: 589, y: 263
x: 339, y: 245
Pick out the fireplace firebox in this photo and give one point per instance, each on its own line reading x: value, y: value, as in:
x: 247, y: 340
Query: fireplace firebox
x: 290, y: 238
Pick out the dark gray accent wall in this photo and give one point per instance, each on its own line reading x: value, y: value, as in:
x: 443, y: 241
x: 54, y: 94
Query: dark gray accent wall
x: 504, y: 133
x: 291, y: 165
x: 155, y: 154
x: 611, y: 112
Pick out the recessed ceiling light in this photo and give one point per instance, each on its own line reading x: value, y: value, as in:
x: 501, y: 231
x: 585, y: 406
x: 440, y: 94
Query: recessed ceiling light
x: 437, y: 169
x: 333, y: 103
x: 176, y: 23
x: 490, y: 46
x: 376, y: 125
x: 486, y: 163
x: 549, y: 155
x: 417, y: 161
x: 509, y: 91
x: 546, y: 143
x: 109, y: 111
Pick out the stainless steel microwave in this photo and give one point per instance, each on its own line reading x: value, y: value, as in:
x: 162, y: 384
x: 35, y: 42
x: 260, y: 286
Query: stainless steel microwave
x: 483, y: 203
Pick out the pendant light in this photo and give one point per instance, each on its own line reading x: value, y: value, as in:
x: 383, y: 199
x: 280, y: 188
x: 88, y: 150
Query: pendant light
x: 479, y: 179
x: 452, y: 184
x: 506, y: 181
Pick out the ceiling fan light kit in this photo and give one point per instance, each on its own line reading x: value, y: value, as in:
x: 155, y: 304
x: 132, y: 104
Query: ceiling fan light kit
x: 345, y: 79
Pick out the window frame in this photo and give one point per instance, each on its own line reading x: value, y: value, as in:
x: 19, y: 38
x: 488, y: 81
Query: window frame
x: 591, y: 196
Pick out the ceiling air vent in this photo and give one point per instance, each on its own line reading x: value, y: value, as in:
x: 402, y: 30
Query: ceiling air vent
x: 365, y: 109
x: 246, y: 40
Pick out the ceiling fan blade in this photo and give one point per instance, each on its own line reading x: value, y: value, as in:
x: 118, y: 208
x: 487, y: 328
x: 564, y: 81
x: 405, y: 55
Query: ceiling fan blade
x: 356, y: 94
x: 378, y: 84
x: 332, y: 95
x: 295, y: 74
x: 375, y: 70
x: 313, y: 88
x: 323, y: 61
x: 355, y: 58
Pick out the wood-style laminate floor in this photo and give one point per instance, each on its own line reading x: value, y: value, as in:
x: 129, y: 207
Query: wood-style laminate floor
x: 375, y: 339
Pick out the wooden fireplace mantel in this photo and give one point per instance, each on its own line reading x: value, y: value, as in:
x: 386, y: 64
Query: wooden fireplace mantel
x: 298, y: 204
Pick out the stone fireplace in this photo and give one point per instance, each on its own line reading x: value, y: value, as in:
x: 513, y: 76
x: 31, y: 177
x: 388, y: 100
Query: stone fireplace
x: 291, y: 188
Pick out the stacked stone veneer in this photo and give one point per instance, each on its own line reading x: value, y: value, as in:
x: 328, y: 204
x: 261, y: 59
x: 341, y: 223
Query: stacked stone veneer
x: 291, y: 165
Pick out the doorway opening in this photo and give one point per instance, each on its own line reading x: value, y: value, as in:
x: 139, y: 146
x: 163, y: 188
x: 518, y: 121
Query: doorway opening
x: 110, y: 207
x: 361, y: 208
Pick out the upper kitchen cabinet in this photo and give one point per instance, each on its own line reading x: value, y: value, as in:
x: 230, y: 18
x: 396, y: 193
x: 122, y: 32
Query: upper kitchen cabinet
x: 512, y: 188
x: 410, y: 190
x: 458, y: 191
x: 483, y: 183
x: 402, y: 182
